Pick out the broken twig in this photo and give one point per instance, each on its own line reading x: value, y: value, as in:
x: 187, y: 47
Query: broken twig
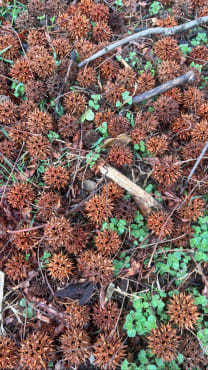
x: 167, y: 31
x: 181, y: 80
x: 144, y: 201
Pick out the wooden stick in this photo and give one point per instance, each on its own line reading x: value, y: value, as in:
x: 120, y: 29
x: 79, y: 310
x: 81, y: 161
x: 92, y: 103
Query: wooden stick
x: 144, y: 201
x: 181, y: 80
x: 167, y: 31
x: 1, y: 300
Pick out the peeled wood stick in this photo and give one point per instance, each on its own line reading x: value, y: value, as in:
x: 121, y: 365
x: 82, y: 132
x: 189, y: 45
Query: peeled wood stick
x: 1, y: 299
x: 143, y: 200
x: 167, y: 31
x: 181, y: 80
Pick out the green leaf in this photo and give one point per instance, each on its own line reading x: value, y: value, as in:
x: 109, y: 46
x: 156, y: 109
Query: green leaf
x: 22, y: 302
x: 89, y: 115
x: 180, y: 358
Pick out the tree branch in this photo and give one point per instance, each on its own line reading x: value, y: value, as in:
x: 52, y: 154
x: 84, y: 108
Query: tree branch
x: 167, y: 31
x: 181, y: 80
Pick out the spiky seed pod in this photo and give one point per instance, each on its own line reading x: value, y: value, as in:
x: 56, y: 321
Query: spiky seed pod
x: 34, y: 90
x: 166, y: 3
x: 118, y: 125
x: 182, y: 311
x: 8, y: 112
x: 145, y: 82
x: 182, y: 126
x: 78, y: 26
x: 76, y: 316
x: 39, y: 147
x: 78, y: 241
x: 167, y: 49
x: 166, y: 22
x: 26, y: 240
x: 200, y: 131
x: 174, y: 94
x: 160, y: 224
x: 109, y: 70
x: 192, y: 352
x: 109, y: 351
x: 36, y: 37
x: 54, y: 7
x: 203, y: 11
x: 164, y: 342
x: 20, y: 195
x: 17, y: 268
x: 138, y: 134
x: 185, y: 232
x: 192, y: 150
x: 25, y: 110
x: 85, y: 7
x: 75, y: 343
x: 20, y: 70
x: 99, y: 13
x: 113, y: 191
x: 99, y: 208
x: 192, y: 209
x: 8, y: 40
x: 85, y: 48
x: 183, y: 8
x: 125, y: 210
x: 3, y: 84
x: 157, y: 145
x: 107, y: 242
x: 63, y: 20
x: 86, y: 77
x: 60, y: 267
x: 35, y: 350
x: 62, y: 47
x: 203, y: 110
x: 95, y: 267
x: 56, y: 177
x: 106, y: 318
x: 58, y: 232
x: 68, y: 125
x: 199, y: 54
x: 25, y: 21
x: 8, y: 353
x: 120, y: 155
x: 18, y: 133
x: 147, y: 121
x: 126, y: 77
x: 8, y: 149
x: 193, y: 98
x: 168, y: 70
x: 48, y: 204
x: 197, y: 4
x: 101, y: 117
x: 41, y: 62
x: 166, y: 170
x: 101, y: 32
x: 166, y: 109
x: 113, y: 92
x: 75, y: 103
x: 37, y: 7
x: 39, y: 122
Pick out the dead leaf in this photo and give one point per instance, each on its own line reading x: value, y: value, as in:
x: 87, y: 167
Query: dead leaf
x: 81, y: 291
x: 134, y: 269
x: 123, y: 138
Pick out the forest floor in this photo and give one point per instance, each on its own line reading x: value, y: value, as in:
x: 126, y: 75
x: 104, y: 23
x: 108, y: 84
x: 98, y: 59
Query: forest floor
x: 103, y: 216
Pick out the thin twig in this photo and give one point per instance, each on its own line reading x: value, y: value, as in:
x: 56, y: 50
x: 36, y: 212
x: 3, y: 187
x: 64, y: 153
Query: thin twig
x: 195, y: 166
x: 181, y: 80
x: 167, y: 31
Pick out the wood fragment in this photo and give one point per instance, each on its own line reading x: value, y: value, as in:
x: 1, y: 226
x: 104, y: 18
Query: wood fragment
x: 144, y: 201
x: 188, y: 77
x: 1, y: 300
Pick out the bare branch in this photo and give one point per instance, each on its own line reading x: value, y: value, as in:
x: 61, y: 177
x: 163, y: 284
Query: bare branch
x: 167, y: 31
x: 181, y: 80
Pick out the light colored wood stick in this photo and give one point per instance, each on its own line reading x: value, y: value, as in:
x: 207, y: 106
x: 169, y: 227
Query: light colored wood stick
x: 1, y: 300
x: 144, y: 201
x: 167, y: 31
